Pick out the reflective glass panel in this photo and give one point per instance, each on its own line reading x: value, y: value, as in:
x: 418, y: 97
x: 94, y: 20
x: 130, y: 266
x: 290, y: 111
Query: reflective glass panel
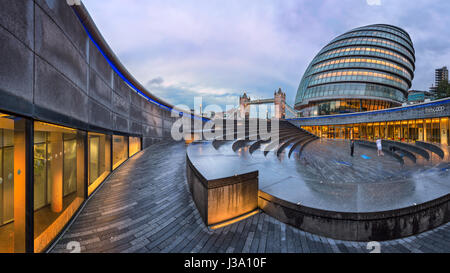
x: 120, y: 150
x: 59, y: 184
x: 99, y: 159
x: 12, y: 184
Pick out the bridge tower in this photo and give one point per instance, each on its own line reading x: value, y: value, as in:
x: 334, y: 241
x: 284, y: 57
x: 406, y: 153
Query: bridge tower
x: 280, y: 104
x: 244, y: 106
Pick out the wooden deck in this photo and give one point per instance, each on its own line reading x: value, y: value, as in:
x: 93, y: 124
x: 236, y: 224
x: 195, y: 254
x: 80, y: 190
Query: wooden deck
x: 145, y: 206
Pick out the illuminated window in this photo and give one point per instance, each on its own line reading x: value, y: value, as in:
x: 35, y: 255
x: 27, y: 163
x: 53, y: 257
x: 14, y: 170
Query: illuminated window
x: 135, y: 145
x: 99, y: 159
x: 12, y: 184
x: 58, y: 179
x: 120, y: 150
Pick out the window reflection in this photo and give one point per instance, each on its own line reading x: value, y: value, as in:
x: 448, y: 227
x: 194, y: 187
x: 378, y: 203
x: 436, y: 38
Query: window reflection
x: 99, y: 159
x: 120, y: 150
x: 58, y: 179
x: 135, y: 145
x: 12, y: 184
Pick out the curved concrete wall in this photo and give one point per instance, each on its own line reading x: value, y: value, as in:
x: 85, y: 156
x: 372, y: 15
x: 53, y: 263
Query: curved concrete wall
x: 52, y: 71
x: 376, y: 226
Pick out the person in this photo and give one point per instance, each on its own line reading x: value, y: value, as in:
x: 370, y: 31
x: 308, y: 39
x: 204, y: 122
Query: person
x: 380, y: 147
x: 352, y: 147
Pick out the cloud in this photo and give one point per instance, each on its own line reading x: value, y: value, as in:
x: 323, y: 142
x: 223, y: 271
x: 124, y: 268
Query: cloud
x: 155, y: 81
x: 374, y: 2
x: 219, y: 49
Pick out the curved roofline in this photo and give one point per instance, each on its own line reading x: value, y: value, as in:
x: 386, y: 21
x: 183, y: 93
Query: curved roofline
x: 340, y: 38
x: 305, y: 103
x: 365, y: 56
x: 394, y: 28
x: 359, y: 81
x: 314, y: 62
x: 412, y: 62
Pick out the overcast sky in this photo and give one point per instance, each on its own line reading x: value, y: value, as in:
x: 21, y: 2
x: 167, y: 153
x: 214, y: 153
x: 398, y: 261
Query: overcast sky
x: 219, y: 49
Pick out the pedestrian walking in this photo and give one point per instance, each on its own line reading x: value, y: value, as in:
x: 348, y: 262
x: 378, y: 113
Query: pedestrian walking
x: 352, y: 147
x: 380, y: 147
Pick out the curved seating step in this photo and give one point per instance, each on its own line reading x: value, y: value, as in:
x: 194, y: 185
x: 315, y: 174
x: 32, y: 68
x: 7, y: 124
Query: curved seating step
x: 275, y: 145
x: 413, y: 148
x: 401, y: 150
x: 255, y: 146
x: 288, y: 142
x: 300, y: 142
x: 240, y: 143
x: 431, y: 147
x: 271, y: 146
x: 217, y: 143
x: 309, y: 141
x: 373, y: 145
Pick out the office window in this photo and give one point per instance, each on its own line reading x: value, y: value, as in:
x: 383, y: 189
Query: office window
x: 99, y: 159
x: 120, y: 150
x: 12, y: 184
x: 134, y: 145
x: 59, y: 182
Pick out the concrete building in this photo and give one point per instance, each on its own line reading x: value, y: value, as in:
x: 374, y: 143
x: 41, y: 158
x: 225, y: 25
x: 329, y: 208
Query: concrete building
x: 440, y: 75
x: 70, y: 114
x: 418, y: 96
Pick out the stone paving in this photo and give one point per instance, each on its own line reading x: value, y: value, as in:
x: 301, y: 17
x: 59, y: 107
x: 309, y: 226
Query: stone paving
x: 146, y: 207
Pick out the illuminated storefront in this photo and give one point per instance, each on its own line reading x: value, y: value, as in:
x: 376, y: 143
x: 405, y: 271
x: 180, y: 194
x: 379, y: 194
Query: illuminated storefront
x: 435, y: 130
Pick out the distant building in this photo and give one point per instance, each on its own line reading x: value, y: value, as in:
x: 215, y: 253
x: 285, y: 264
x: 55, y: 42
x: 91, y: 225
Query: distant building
x: 418, y: 96
x: 440, y: 75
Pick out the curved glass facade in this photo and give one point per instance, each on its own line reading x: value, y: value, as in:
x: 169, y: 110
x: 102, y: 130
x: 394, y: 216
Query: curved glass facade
x: 373, y: 65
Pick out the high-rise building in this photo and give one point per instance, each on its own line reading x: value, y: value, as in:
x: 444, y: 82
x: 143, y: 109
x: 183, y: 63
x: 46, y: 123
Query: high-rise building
x: 440, y: 75
x: 367, y: 68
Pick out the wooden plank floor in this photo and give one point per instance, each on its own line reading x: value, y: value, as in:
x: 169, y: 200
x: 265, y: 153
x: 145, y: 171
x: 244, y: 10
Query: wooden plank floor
x: 145, y: 206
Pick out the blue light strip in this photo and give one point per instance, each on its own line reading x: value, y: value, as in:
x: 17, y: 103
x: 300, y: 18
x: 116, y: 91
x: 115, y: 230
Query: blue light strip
x: 376, y: 112
x: 127, y: 81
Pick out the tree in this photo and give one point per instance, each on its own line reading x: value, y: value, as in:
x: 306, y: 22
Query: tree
x: 443, y: 90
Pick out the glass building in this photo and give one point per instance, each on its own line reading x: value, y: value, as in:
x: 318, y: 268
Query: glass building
x: 368, y: 68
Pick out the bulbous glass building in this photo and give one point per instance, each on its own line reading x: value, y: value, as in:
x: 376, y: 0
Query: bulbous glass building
x: 368, y: 68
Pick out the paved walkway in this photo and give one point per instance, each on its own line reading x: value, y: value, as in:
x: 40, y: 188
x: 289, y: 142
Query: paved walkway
x: 145, y: 206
